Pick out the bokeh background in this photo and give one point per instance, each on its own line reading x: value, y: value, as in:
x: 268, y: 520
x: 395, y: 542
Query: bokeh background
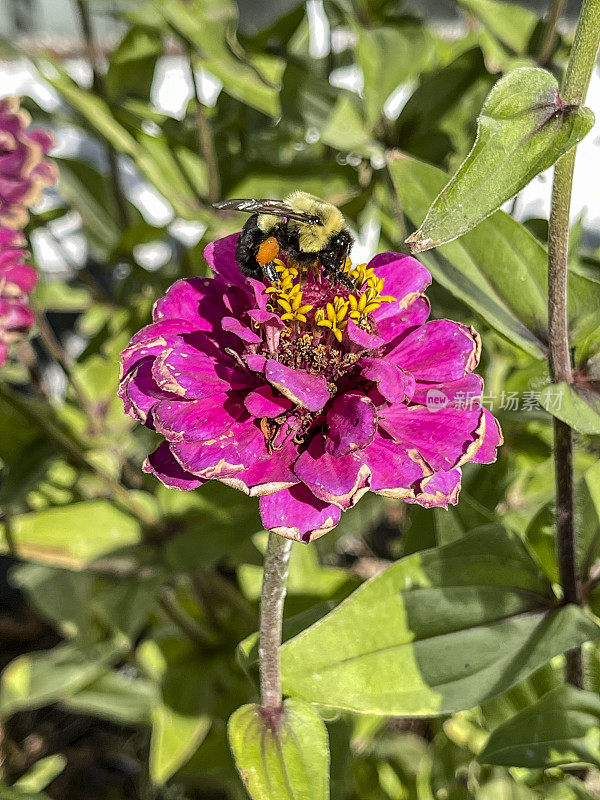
x: 121, y: 602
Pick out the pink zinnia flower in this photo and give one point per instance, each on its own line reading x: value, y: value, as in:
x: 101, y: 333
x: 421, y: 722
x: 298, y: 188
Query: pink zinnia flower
x: 306, y: 394
x: 24, y: 172
x: 17, y: 280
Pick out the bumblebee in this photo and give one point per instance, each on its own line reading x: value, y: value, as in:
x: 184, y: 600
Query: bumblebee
x: 304, y: 228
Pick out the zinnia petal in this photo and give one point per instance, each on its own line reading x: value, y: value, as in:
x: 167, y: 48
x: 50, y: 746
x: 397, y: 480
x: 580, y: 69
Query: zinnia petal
x: 395, y: 470
x: 297, y: 514
x: 196, y: 420
x: 405, y: 279
x: 393, y: 383
x: 341, y: 480
x: 351, y: 424
x: 445, y: 438
x: 220, y: 256
x: 298, y: 385
x: 264, y: 402
x: 352, y: 391
x: 439, y: 490
x: 492, y: 439
x: 167, y: 469
x: 440, y: 350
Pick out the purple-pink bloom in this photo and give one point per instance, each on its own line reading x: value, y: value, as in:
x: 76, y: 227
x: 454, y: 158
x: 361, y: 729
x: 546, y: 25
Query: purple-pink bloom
x: 17, y: 280
x: 24, y: 172
x: 306, y: 394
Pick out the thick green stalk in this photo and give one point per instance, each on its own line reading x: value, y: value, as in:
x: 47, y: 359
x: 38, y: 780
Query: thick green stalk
x: 271, y: 618
x: 574, y: 90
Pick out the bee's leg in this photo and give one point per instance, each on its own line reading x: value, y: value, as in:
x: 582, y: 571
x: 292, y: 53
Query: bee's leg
x: 334, y: 271
x: 346, y: 281
x: 267, y: 253
x: 270, y: 272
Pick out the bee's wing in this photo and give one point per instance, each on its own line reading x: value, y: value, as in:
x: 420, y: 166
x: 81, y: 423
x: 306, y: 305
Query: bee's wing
x: 275, y: 207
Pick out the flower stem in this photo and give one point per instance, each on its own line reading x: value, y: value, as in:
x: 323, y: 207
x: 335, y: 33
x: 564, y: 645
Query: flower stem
x: 271, y: 616
x: 549, y: 35
x: 99, y: 89
x: 206, y: 142
x: 575, y: 85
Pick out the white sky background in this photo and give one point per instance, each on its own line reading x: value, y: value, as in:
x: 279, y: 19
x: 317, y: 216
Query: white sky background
x: 171, y: 92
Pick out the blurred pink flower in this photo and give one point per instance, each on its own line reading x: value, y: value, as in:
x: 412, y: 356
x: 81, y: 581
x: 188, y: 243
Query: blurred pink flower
x: 307, y: 394
x: 24, y: 172
x: 17, y: 280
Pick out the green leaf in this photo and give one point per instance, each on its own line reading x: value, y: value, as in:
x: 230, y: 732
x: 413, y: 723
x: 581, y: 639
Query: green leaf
x: 390, y: 56
x: 131, y: 68
x: 540, y: 536
x: 437, y: 632
x: 115, y: 697
x: 579, y: 408
x: 510, y: 23
x: 305, y: 575
x: 561, y: 728
x: 41, y: 774
x: 26, y: 471
x: 151, y: 153
x: 307, y: 98
x: 284, y: 757
x: 97, y: 113
x: 346, y: 130
x: 438, y: 120
x: 522, y: 130
x: 70, y: 536
x: 592, y: 479
x: 175, y: 738
x: 46, y: 676
x: 499, y: 269
x: 84, y: 606
x: 88, y: 192
x: 230, y: 516
x: 182, y: 717
x: 206, y: 26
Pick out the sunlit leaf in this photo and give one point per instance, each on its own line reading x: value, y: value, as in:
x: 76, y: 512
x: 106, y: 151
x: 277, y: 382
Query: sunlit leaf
x: 283, y: 757
x: 71, y: 535
x: 175, y: 737
x: 499, y: 269
x: 389, y: 56
x: 437, y: 632
x: 35, y: 679
x: 522, y: 130
x: 115, y: 697
x: 41, y: 774
x: 206, y: 26
x: 131, y: 67
x: 578, y: 407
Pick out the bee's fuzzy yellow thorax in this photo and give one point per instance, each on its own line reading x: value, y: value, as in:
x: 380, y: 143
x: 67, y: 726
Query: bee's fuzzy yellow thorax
x: 266, y: 222
x: 312, y: 238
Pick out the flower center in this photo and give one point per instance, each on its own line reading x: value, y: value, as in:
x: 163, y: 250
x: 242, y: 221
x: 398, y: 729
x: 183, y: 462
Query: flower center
x: 317, y: 313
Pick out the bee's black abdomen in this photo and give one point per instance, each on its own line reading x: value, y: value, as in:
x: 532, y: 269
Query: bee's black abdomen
x: 246, y: 248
